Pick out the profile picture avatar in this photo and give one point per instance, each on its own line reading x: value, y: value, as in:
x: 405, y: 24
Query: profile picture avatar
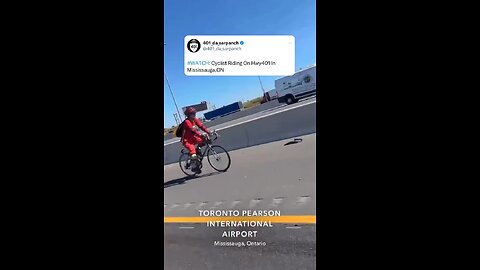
x: 193, y: 45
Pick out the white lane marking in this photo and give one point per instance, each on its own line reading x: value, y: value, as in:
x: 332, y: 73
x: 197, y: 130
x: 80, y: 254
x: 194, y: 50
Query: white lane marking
x: 276, y: 202
x: 293, y: 227
x: 187, y: 205
x: 201, y: 205
x: 173, y: 206
x: 234, y: 203
x: 254, y: 203
x: 303, y: 200
x: 216, y: 205
x: 186, y: 227
x: 256, y: 118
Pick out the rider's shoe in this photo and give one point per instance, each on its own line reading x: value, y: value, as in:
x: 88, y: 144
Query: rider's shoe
x: 193, y: 164
x: 187, y: 166
x: 196, y: 167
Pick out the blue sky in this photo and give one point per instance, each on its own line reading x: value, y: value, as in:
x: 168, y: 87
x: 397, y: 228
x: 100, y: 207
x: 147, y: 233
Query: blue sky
x: 229, y: 17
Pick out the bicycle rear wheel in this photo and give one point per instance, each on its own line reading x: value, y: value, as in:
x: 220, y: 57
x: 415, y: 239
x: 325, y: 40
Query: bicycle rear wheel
x: 218, y: 158
x: 183, y: 162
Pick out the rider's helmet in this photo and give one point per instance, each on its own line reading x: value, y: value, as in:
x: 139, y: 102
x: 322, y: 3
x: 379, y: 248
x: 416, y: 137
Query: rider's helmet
x: 190, y: 111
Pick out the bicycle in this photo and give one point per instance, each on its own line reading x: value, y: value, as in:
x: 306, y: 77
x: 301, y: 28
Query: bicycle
x: 214, y: 153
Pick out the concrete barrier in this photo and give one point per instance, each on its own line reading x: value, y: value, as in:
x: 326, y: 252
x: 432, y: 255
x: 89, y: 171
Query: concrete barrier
x: 233, y: 116
x: 243, y: 113
x: 169, y: 136
x: 296, y: 122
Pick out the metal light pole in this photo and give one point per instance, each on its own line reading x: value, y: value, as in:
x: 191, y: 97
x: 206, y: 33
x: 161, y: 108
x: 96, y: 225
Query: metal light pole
x: 171, y: 92
x: 261, y: 85
x: 176, y: 120
x: 264, y: 99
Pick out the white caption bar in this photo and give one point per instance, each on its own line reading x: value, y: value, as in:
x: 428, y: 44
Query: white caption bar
x: 239, y: 55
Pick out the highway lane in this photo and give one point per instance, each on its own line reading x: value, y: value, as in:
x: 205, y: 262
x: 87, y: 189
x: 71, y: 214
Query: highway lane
x: 272, y: 176
x: 285, y: 249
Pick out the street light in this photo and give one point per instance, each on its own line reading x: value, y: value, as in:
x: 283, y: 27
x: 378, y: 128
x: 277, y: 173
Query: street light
x: 171, y: 92
x: 261, y: 85
x: 264, y: 99
x: 178, y: 121
x: 173, y: 97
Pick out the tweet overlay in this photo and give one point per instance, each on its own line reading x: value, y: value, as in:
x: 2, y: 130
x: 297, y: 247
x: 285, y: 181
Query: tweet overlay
x: 239, y: 55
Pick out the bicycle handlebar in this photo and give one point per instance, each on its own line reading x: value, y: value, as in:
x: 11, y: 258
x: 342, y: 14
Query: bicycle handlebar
x: 213, y: 133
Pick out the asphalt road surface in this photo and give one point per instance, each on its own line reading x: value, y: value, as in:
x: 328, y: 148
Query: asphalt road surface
x: 286, y: 248
x: 273, y: 176
x: 268, y: 175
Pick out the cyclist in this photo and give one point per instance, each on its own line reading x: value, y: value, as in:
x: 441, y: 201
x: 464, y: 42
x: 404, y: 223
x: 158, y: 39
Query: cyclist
x: 191, y: 136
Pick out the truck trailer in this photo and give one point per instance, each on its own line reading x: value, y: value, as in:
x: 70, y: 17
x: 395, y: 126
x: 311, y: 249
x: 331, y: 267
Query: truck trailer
x: 225, y: 110
x: 302, y: 84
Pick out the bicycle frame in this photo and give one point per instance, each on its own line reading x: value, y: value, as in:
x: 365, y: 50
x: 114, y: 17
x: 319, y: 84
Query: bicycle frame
x: 202, y: 153
x: 208, y: 145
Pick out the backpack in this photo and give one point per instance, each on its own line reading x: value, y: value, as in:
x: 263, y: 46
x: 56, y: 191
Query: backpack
x: 179, y: 131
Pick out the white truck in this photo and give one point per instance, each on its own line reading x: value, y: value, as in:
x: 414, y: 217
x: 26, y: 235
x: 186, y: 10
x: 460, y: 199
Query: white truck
x: 300, y: 85
x: 271, y: 95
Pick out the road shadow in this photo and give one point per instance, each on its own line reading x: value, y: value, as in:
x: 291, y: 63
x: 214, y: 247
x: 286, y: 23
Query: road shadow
x: 183, y: 180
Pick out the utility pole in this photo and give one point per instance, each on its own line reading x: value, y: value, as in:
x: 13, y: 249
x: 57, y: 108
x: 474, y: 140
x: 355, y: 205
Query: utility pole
x: 171, y: 92
x: 173, y: 97
x: 263, y: 90
x: 175, y: 116
x: 264, y: 98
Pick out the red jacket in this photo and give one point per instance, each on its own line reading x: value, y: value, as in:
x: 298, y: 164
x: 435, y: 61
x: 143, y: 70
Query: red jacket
x: 190, y: 131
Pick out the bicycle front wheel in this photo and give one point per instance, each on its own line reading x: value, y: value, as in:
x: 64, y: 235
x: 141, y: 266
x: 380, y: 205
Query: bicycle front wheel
x: 183, y: 163
x: 218, y: 158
